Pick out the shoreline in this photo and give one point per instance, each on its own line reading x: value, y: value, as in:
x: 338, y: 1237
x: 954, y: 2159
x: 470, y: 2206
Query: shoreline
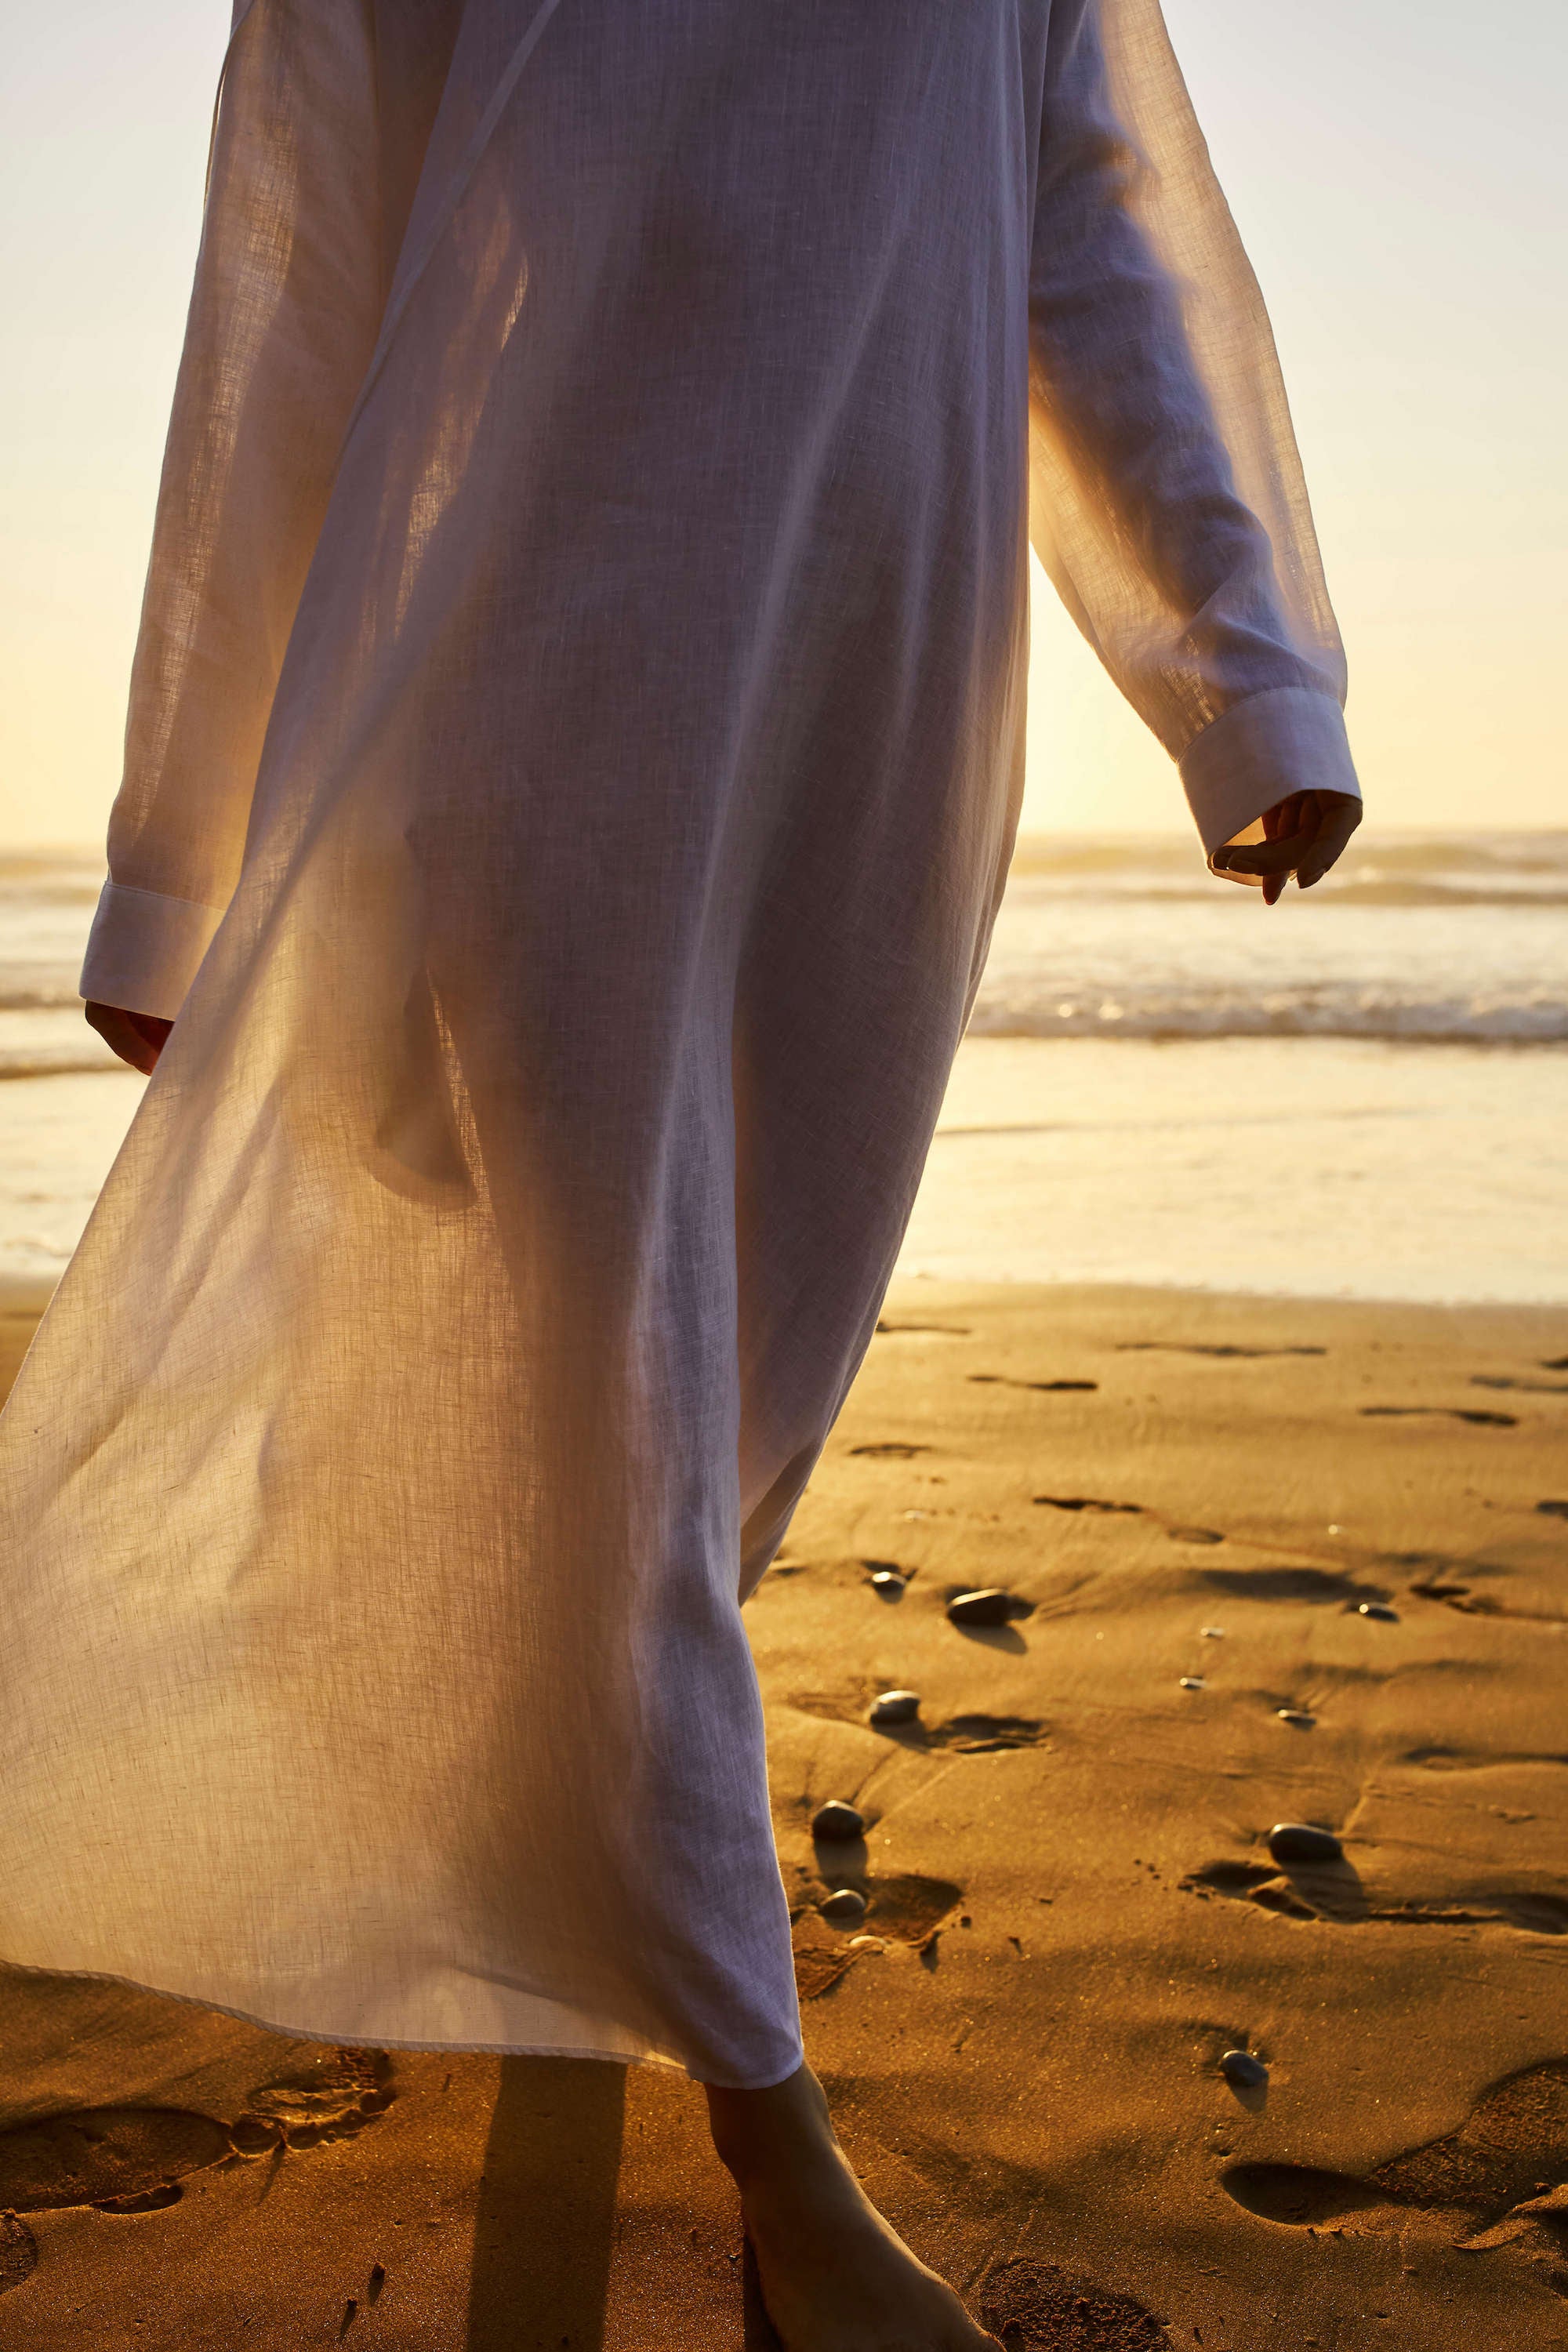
x: 1306, y: 1166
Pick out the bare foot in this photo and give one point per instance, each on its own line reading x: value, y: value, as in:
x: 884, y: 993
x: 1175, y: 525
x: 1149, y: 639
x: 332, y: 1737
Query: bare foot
x: 834, y: 2277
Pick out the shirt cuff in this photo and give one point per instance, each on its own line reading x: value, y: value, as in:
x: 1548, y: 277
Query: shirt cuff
x: 144, y: 949
x: 1291, y: 740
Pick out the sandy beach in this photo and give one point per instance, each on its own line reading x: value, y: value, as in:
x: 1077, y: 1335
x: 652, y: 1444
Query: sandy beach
x: 1072, y: 1910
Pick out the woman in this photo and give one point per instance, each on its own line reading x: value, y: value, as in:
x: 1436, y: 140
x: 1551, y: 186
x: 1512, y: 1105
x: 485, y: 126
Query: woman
x: 573, y: 761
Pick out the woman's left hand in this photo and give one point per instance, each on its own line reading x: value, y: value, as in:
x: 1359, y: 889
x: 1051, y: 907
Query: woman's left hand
x: 1301, y: 835
x: 137, y: 1037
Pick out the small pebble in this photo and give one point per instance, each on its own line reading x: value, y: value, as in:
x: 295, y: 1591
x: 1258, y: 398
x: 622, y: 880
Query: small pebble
x: 1240, y: 2067
x: 837, y: 1824
x: 988, y: 1606
x: 1193, y: 1681
x: 887, y: 1580
x: 1194, y: 1535
x: 846, y: 1907
x: 1381, y: 1611
x: 1294, y: 1715
x: 1303, y: 1842
x: 1214, y: 1632
x: 896, y: 1707
x: 867, y: 1943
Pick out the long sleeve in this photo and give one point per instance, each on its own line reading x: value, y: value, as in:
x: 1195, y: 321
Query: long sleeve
x: 283, y: 318
x: 1167, y: 500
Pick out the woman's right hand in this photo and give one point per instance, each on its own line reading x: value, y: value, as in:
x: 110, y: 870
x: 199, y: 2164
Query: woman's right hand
x: 137, y: 1037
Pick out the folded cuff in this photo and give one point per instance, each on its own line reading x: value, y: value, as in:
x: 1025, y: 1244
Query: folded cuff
x: 144, y: 949
x: 1292, y: 740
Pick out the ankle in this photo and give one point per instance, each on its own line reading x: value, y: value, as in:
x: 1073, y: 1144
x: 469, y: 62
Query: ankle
x: 759, y: 2133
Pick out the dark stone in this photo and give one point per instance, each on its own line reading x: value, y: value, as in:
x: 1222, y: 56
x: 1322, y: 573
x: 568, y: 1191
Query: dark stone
x: 896, y: 1707
x: 988, y: 1606
x: 1303, y: 1842
x: 888, y: 1583
x: 838, y: 1823
x: 846, y: 1907
x: 1240, y: 2067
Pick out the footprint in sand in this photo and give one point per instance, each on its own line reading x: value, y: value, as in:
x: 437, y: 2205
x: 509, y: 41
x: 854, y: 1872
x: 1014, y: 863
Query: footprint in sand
x: 1437, y: 1412
x: 985, y: 1735
x: 1195, y: 1348
x: 1086, y: 1502
x: 1507, y: 1380
x: 1482, y: 1604
x: 123, y: 2159
x: 1332, y: 1892
x: 1035, y: 2307
x: 1315, y: 1584
x: 331, y: 2095
x: 926, y: 1330
x: 1476, y: 1759
x: 1001, y: 1381
x: 133, y: 2159
x: 902, y: 1908
x: 1505, y: 2170
x: 891, y: 1449
x: 969, y: 1735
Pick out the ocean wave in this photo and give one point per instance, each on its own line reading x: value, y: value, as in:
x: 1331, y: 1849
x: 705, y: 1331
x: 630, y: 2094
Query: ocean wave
x: 1451, y: 1021
x: 68, y: 1061
x: 1379, y: 869
x: 37, y: 990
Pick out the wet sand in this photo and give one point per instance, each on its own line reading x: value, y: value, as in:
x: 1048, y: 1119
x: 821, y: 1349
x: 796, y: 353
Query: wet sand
x: 1072, y: 1910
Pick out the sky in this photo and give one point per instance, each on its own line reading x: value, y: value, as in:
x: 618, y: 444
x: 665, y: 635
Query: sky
x: 1399, y: 174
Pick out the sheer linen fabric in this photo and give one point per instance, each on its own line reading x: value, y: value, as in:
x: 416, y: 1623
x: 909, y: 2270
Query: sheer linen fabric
x: 574, y: 753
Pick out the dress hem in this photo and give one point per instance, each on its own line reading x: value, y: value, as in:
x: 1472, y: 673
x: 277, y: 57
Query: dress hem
x: 394, y: 2041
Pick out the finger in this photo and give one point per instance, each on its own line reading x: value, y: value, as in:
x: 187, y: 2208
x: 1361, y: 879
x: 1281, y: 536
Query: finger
x: 1288, y: 816
x: 1341, y: 819
x: 1274, y: 889
x: 1260, y: 858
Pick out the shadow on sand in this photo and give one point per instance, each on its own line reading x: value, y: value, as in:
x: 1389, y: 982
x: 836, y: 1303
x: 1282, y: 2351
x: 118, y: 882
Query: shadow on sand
x: 546, y: 2214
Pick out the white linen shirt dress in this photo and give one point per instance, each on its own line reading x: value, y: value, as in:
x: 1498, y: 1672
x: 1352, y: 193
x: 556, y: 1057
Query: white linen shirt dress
x: 574, y: 753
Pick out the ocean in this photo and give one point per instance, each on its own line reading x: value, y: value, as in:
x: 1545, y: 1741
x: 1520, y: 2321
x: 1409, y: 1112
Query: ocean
x: 1360, y: 1092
